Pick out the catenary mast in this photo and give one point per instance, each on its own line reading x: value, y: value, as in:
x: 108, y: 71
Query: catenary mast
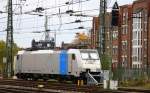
x: 101, y: 39
x: 9, y: 42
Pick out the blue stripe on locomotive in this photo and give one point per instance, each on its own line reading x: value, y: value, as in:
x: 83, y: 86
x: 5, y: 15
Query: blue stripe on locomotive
x: 63, y: 57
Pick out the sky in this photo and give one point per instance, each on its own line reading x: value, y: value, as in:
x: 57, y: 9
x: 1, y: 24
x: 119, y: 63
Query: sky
x: 25, y: 25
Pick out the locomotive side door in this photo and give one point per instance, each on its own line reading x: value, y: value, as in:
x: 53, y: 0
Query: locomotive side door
x: 63, y: 67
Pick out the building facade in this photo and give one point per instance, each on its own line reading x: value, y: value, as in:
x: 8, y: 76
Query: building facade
x: 132, y: 41
x: 95, y: 32
x: 115, y: 47
x: 128, y: 43
x: 140, y: 34
x: 125, y: 36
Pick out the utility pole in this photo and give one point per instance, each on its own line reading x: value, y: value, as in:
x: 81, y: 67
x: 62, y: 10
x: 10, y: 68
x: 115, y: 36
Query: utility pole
x: 101, y: 40
x: 47, y: 38
x: 9, y: 42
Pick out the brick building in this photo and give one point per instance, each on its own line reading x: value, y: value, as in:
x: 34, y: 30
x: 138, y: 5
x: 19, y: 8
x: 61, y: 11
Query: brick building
x: 131, y: 39
x: 134, y: 36
x: 125, y: 36
x: 130, y: 46
x: 95, y: 32
x: 141, y: 34
x: 115, y: 47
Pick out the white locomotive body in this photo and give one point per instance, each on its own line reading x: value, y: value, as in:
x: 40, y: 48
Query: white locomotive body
x: 72, y: 63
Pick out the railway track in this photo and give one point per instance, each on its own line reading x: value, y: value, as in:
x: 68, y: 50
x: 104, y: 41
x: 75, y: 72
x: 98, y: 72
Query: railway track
x: 22, y: 86
x: 133, y: 89
x: 46, y: 85
x: 18, y: 89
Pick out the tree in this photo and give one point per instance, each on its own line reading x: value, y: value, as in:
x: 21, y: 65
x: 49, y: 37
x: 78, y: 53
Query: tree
x: 3, y: 52
x: 106, y: 62
x: 81, y: 38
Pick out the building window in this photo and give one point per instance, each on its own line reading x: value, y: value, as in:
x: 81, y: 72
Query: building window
x: 125, y: 18
x: 145, y: 20
x: 137, y: 39
x: 135, y: 58
x: 135, y: 35
x: 115, y: 34
x: 124, y: 29
x: 124, y: 45
x: 115, y: 50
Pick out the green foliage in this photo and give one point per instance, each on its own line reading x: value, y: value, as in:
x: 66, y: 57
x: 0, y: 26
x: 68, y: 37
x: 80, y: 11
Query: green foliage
x: 136, y: 83
x: 133, y: 83
x: 15, y: 49
x: 106, y: 62
x: 139, y: 82
x: 3, y: 52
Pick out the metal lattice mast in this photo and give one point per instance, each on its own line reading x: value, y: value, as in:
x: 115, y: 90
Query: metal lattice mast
x: 9, y: 42
x: 101, y: 39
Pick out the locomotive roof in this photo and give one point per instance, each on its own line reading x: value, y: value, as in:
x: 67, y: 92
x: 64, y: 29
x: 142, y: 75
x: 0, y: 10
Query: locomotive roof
x: 36, y: 52
x: 42, y: 51
x: 50, y: 51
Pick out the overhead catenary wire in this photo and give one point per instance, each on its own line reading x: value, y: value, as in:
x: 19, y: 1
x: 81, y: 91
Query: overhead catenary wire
x: 62, y: 14
x: 33, y: 33
x: 54, y: 14
x: 30, y: 12
x: 25, y: 19
x: 53, y: 25
x: 61, y: 5
x: 31, y: 18
x: 41, y: 31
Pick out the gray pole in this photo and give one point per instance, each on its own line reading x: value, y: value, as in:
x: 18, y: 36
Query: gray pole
x: 47, y: 38
x: 9, y: 42
x: 101, y: 40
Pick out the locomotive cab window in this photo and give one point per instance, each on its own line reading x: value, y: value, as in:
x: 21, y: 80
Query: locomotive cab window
x: 85, y: 55
x: 94, y: 56
x: 17, y: 57
x: 73, y: 57
x: 89, y: 55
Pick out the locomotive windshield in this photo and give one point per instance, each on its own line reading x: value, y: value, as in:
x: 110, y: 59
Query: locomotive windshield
x: 85, y: 55
x: 94, y: 56
x: 89, y: 55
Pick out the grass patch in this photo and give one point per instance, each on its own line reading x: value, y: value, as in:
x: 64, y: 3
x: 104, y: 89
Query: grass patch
x: 136, y: 83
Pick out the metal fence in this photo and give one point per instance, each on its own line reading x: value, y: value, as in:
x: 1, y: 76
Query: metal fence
x: 130, y: 74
